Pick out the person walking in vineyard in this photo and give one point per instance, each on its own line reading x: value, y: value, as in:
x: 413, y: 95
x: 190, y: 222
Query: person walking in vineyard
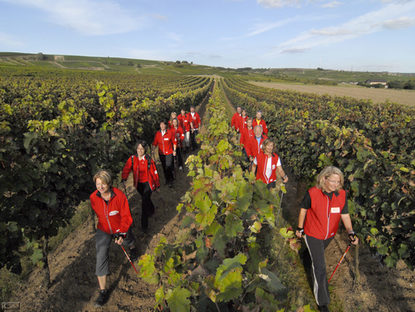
x: 114, y: 220
x: 254, y: 144
x: 165, y: 141
x: 146, y: 180
x: 322, y: 208
x: 242, y: 121
x: 179, y: 135
x: 184, y: 120
x: 246, y: 134
x: 194, y: 125
x: 258, y: 121
x: 173, y: 116
x: 267, y: 164
x: 235, y: 122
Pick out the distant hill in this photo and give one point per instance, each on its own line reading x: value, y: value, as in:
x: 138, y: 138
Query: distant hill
x: 115, y: 64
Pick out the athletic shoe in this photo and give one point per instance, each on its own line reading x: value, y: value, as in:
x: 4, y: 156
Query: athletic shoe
x: 102, y: 298
x: 324, y: 308
x: 180, y: 168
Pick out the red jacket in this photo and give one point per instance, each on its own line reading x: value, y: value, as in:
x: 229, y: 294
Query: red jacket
x: 195, y: 120
x: 179, y: 135
x: 242, y: 123
x: 246, y: 135
x: 261, y: 168
x: 236, y: 121
x: 184, y: 121
x: 165, y: 142
x: 322, y: 219
x: 114, y: 217
x: 141, y: 172
x: 261, y: 123
x: 252, y: 148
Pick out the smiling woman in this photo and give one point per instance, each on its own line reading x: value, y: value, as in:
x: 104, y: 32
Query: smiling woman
x: 322, y: 209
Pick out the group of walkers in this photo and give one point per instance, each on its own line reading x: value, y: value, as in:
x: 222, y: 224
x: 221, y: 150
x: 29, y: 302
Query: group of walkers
x: 174, y: 139
x: 322, y: 208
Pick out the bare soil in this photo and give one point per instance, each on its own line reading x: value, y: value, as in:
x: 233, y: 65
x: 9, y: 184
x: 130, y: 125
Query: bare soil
x: 405, y: 97
x: 75, y: 286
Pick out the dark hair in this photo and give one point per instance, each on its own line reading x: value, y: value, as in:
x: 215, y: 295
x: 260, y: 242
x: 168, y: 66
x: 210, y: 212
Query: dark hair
x: 142, y: 143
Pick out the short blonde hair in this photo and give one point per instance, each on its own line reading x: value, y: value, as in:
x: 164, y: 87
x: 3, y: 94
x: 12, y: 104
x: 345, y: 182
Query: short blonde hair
x: 327, y: 172
x: 104, y: 176
x: 265, y: 143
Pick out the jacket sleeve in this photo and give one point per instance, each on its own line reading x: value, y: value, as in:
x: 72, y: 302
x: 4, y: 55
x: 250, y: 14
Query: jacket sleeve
x: 264, y: 126
x: 155, y: 174
x: 126, y: 170
x: 248, y: 147
x: 155, y: 141
x: 126, y: 219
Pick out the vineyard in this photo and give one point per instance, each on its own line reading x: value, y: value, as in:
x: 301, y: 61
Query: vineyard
x: 229, y: 249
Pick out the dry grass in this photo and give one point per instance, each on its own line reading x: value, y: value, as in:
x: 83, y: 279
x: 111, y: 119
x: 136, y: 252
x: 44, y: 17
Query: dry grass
x: 405, y: 97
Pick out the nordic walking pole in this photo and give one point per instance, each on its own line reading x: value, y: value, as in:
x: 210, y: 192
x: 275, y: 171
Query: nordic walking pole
x: 341, y: 259
x: 128, y: 257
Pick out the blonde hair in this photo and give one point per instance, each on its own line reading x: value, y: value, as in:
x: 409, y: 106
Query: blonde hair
x: 104, y: 176
x: 327, y: 172
x: 265, y: 143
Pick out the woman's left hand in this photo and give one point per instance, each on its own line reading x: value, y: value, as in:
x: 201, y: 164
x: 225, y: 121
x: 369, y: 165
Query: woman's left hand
x: 119, y: 240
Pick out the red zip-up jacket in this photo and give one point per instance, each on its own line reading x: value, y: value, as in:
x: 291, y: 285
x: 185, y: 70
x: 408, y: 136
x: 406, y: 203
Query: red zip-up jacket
x: 114, y: 216
x: 261, y: 123
x: 323, y: 218
x: 246, y: 135
x: 235, y: 122
x: 179, y: 135
x: 184, y: 121
x: 141, y: 172
x: 195, y: 120
x: 242, y: 123
x: 261, y: 168
x: 165, y: 142
x: 252, y: 148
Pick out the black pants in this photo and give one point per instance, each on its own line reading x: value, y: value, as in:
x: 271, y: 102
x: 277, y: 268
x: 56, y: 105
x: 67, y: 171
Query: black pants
x: 193, y: 142
x: 316, y: 249
x: 168, y: 167
x: 147, y: 206
x: 178, y: 159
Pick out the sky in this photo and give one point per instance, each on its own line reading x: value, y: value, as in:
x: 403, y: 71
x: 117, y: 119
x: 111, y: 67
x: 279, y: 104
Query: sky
x: 357, y: 35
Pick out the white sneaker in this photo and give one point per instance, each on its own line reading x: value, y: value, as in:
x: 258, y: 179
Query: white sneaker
x: 180, y: 168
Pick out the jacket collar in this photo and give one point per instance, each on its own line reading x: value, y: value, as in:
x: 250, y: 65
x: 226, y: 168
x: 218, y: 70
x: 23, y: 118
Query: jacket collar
x: 112, y: 194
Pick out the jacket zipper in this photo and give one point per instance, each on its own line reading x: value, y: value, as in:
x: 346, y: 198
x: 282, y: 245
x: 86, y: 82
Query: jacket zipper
x: 106, y: 214
x: 328, y: 218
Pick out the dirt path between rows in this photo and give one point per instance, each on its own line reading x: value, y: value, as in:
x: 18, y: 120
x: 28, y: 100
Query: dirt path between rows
x: 72, y: 264
x: 377, y: 289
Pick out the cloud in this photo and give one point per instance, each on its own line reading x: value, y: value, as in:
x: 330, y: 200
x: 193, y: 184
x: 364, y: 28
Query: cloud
x: 279, y: 3
x: 9, y: 42
x: 89, y: 17
x: 392, y: 16
x: 332, y: 4
x: 398, y: 23
x: 264, y: 27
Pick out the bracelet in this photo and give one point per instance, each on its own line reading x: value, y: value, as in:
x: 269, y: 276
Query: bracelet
x: 284, y: 177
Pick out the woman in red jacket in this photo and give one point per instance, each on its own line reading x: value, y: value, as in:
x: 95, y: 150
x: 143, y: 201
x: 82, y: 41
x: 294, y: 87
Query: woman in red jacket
x: 146, y: 180
x: 184, y: 120
x: 114, y: 220
x: 166, y: 143
x: 179, y: 135
x: 267, y: 164
x: 323, y: 206
x: 194, y: 125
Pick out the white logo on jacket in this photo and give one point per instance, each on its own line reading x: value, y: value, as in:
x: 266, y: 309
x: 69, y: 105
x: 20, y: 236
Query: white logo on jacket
x: 335, y: 210
x: 113, y: 213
